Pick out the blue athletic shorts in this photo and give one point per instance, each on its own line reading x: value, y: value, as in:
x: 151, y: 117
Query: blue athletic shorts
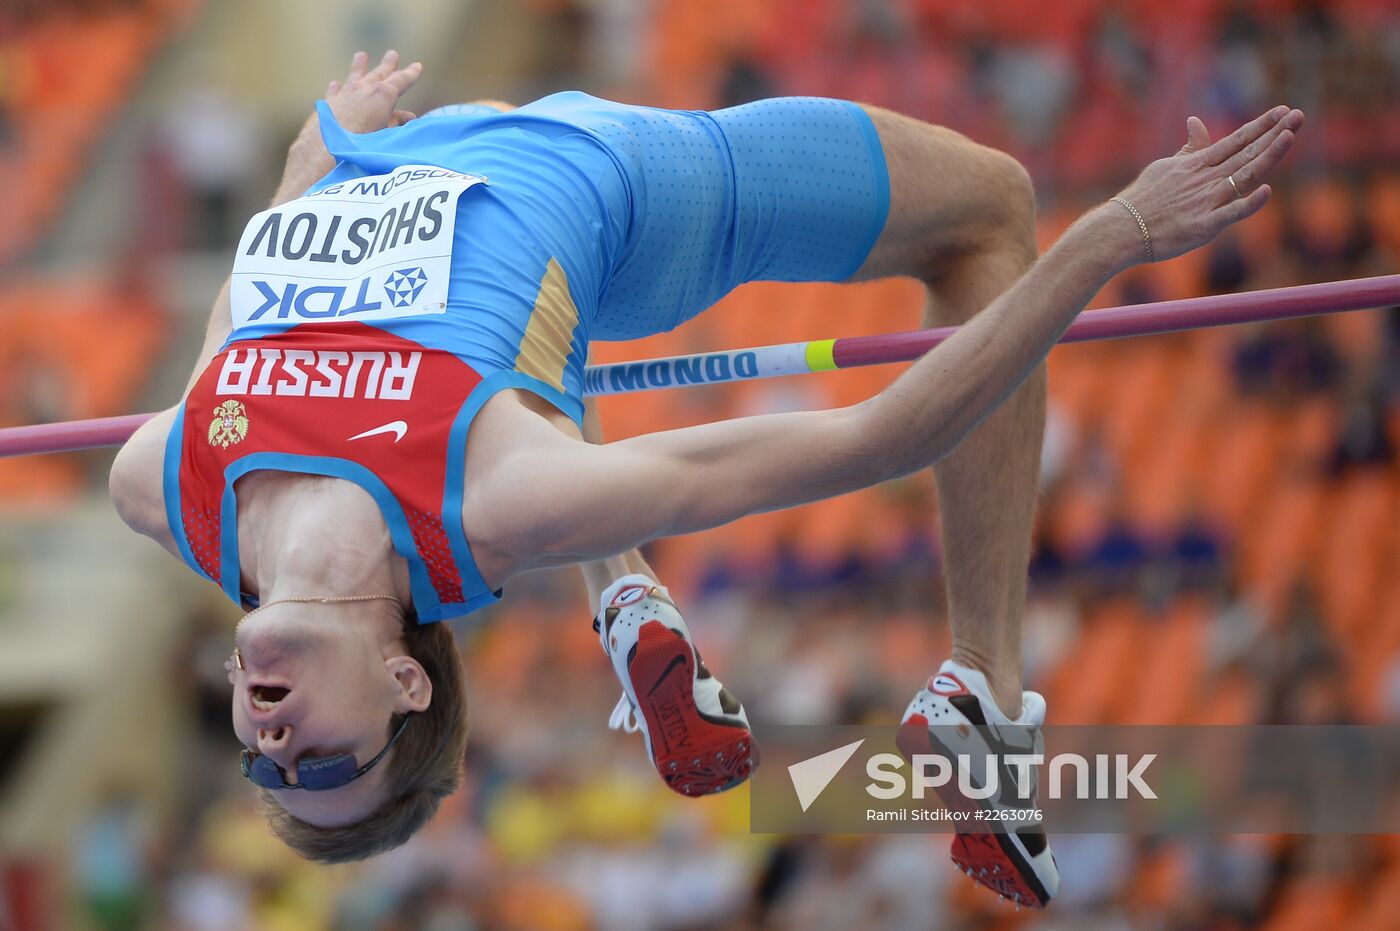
x: 787, y: 189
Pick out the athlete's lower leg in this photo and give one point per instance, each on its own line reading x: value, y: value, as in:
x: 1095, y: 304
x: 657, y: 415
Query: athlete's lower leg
x: 987, y: 489
x: 962, y: 219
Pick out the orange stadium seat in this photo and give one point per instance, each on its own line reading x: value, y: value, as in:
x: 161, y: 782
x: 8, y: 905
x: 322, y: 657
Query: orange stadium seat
x: 87, y: 351
x: 1314, y: 429
x: 39, y: 481
x: 1090, y: 681
x: 1383, y: 212
x: 1376, y: 655
x: 1070, y: 384
x: 61, y: 107
x: 1356, y: 335
x: 1388, y: 848
x: 1356, y: 550
x: 1261, y: 235
x: 1313, y: 902
x: 1232, y: 699
x: 1181, y: 277
x: 1283, y: 541
x: 1173, y: 670
x: 1381, y: 903
x: 1244, y: 462
x: 1080, y: 515
x: 828, y: 529
x: 1132, y: 413
x: 1162, y: 878
x: 1205, y: 385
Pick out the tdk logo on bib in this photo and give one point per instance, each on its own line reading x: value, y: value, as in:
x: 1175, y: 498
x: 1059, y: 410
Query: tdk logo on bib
x: 374, y: 248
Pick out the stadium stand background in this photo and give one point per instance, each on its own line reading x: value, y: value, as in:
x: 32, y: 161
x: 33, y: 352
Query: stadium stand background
x: 1217, y: 540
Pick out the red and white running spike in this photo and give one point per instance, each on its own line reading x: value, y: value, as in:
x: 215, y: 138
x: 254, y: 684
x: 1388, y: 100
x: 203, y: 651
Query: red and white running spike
x: 697, y: 734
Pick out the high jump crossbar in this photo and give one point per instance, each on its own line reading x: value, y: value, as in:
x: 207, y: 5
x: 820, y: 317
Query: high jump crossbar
x: 850, y: 352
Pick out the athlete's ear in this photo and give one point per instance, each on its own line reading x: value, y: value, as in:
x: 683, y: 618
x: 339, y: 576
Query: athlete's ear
x: 415, y: 688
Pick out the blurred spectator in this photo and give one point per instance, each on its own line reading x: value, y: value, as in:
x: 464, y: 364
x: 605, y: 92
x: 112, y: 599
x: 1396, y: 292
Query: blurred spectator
x: 1238, y: 81
x: 202, y: 681
x: 1121, y: 57
x: 1283, y: 361
x: 1318, y: 696
x: 34, y: 392
x: 744, y: 80
x: 111, y: 872
x: 8, y: 65
x: 1227, y: 267
x: 1364, y: 438
x: 1298, y: 660
x: 1234, y: 874
x: 1195, y: 551
x: 214, y: 147
x: 203, y: 898
x: 1034, y: 85
x: 1061, y: 435
x: 1115, y: 561
x: 1324, y: 232
x: 1094, y: 872
x: 1236, y: 627
x: 1390, y: 690
x: 1051, y: 626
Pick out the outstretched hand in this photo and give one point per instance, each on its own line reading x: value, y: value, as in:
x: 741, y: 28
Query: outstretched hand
x: 364, y: 102
x: 1187, y: 199
x: 367, y: 100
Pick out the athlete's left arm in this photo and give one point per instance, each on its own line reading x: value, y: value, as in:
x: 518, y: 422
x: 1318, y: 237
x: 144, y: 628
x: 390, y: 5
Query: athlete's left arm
x: 365, y: 101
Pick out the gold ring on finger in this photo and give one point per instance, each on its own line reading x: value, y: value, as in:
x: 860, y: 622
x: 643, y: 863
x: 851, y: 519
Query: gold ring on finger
x: 1231, y: 179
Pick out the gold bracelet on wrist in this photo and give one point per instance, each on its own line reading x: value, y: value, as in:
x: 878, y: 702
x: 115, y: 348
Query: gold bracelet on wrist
x: 1142, y: 225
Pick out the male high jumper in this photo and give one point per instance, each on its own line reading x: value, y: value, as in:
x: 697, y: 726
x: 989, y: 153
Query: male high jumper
x: 386, y: 421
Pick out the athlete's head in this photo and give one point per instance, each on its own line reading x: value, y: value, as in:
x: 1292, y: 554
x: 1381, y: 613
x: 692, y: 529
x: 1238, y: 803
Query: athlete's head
x: 314, y: 681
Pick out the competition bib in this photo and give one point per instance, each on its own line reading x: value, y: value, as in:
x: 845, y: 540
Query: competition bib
x: 373, y: 248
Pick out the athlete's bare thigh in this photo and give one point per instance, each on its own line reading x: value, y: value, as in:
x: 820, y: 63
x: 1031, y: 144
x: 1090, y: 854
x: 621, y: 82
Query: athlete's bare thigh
x: 948, y: 195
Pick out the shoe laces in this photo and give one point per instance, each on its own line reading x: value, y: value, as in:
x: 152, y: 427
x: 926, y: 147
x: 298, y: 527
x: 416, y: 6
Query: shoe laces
x: 624, y: 716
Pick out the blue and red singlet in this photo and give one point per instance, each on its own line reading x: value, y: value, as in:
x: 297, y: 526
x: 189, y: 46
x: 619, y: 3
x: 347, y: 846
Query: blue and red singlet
x: 461, y: 254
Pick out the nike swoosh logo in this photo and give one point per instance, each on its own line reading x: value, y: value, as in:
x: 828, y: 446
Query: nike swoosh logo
x: 396, y: 427
x: 678, y: 661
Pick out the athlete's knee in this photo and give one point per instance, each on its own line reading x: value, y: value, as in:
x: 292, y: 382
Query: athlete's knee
x: 991, y: 225
x: 1006, y: 211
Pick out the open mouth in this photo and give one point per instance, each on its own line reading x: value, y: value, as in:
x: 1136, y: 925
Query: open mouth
x: 266, y: 697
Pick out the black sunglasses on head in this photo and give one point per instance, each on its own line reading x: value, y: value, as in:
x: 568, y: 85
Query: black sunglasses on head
x: 314, y: 774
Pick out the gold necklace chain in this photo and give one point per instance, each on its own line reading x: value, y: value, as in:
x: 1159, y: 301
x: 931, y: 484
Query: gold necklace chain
x: 323, y: 599
x: 237, y: 659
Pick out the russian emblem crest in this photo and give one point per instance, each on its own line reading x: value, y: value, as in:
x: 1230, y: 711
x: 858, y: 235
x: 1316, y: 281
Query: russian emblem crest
x: 229, y: 426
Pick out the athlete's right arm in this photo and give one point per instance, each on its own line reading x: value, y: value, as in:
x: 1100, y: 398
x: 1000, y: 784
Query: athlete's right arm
x: 606, y: 499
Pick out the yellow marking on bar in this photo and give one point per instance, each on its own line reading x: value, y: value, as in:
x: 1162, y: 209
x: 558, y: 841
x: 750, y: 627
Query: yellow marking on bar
x: 819, y: 357
x: 549, y: 335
